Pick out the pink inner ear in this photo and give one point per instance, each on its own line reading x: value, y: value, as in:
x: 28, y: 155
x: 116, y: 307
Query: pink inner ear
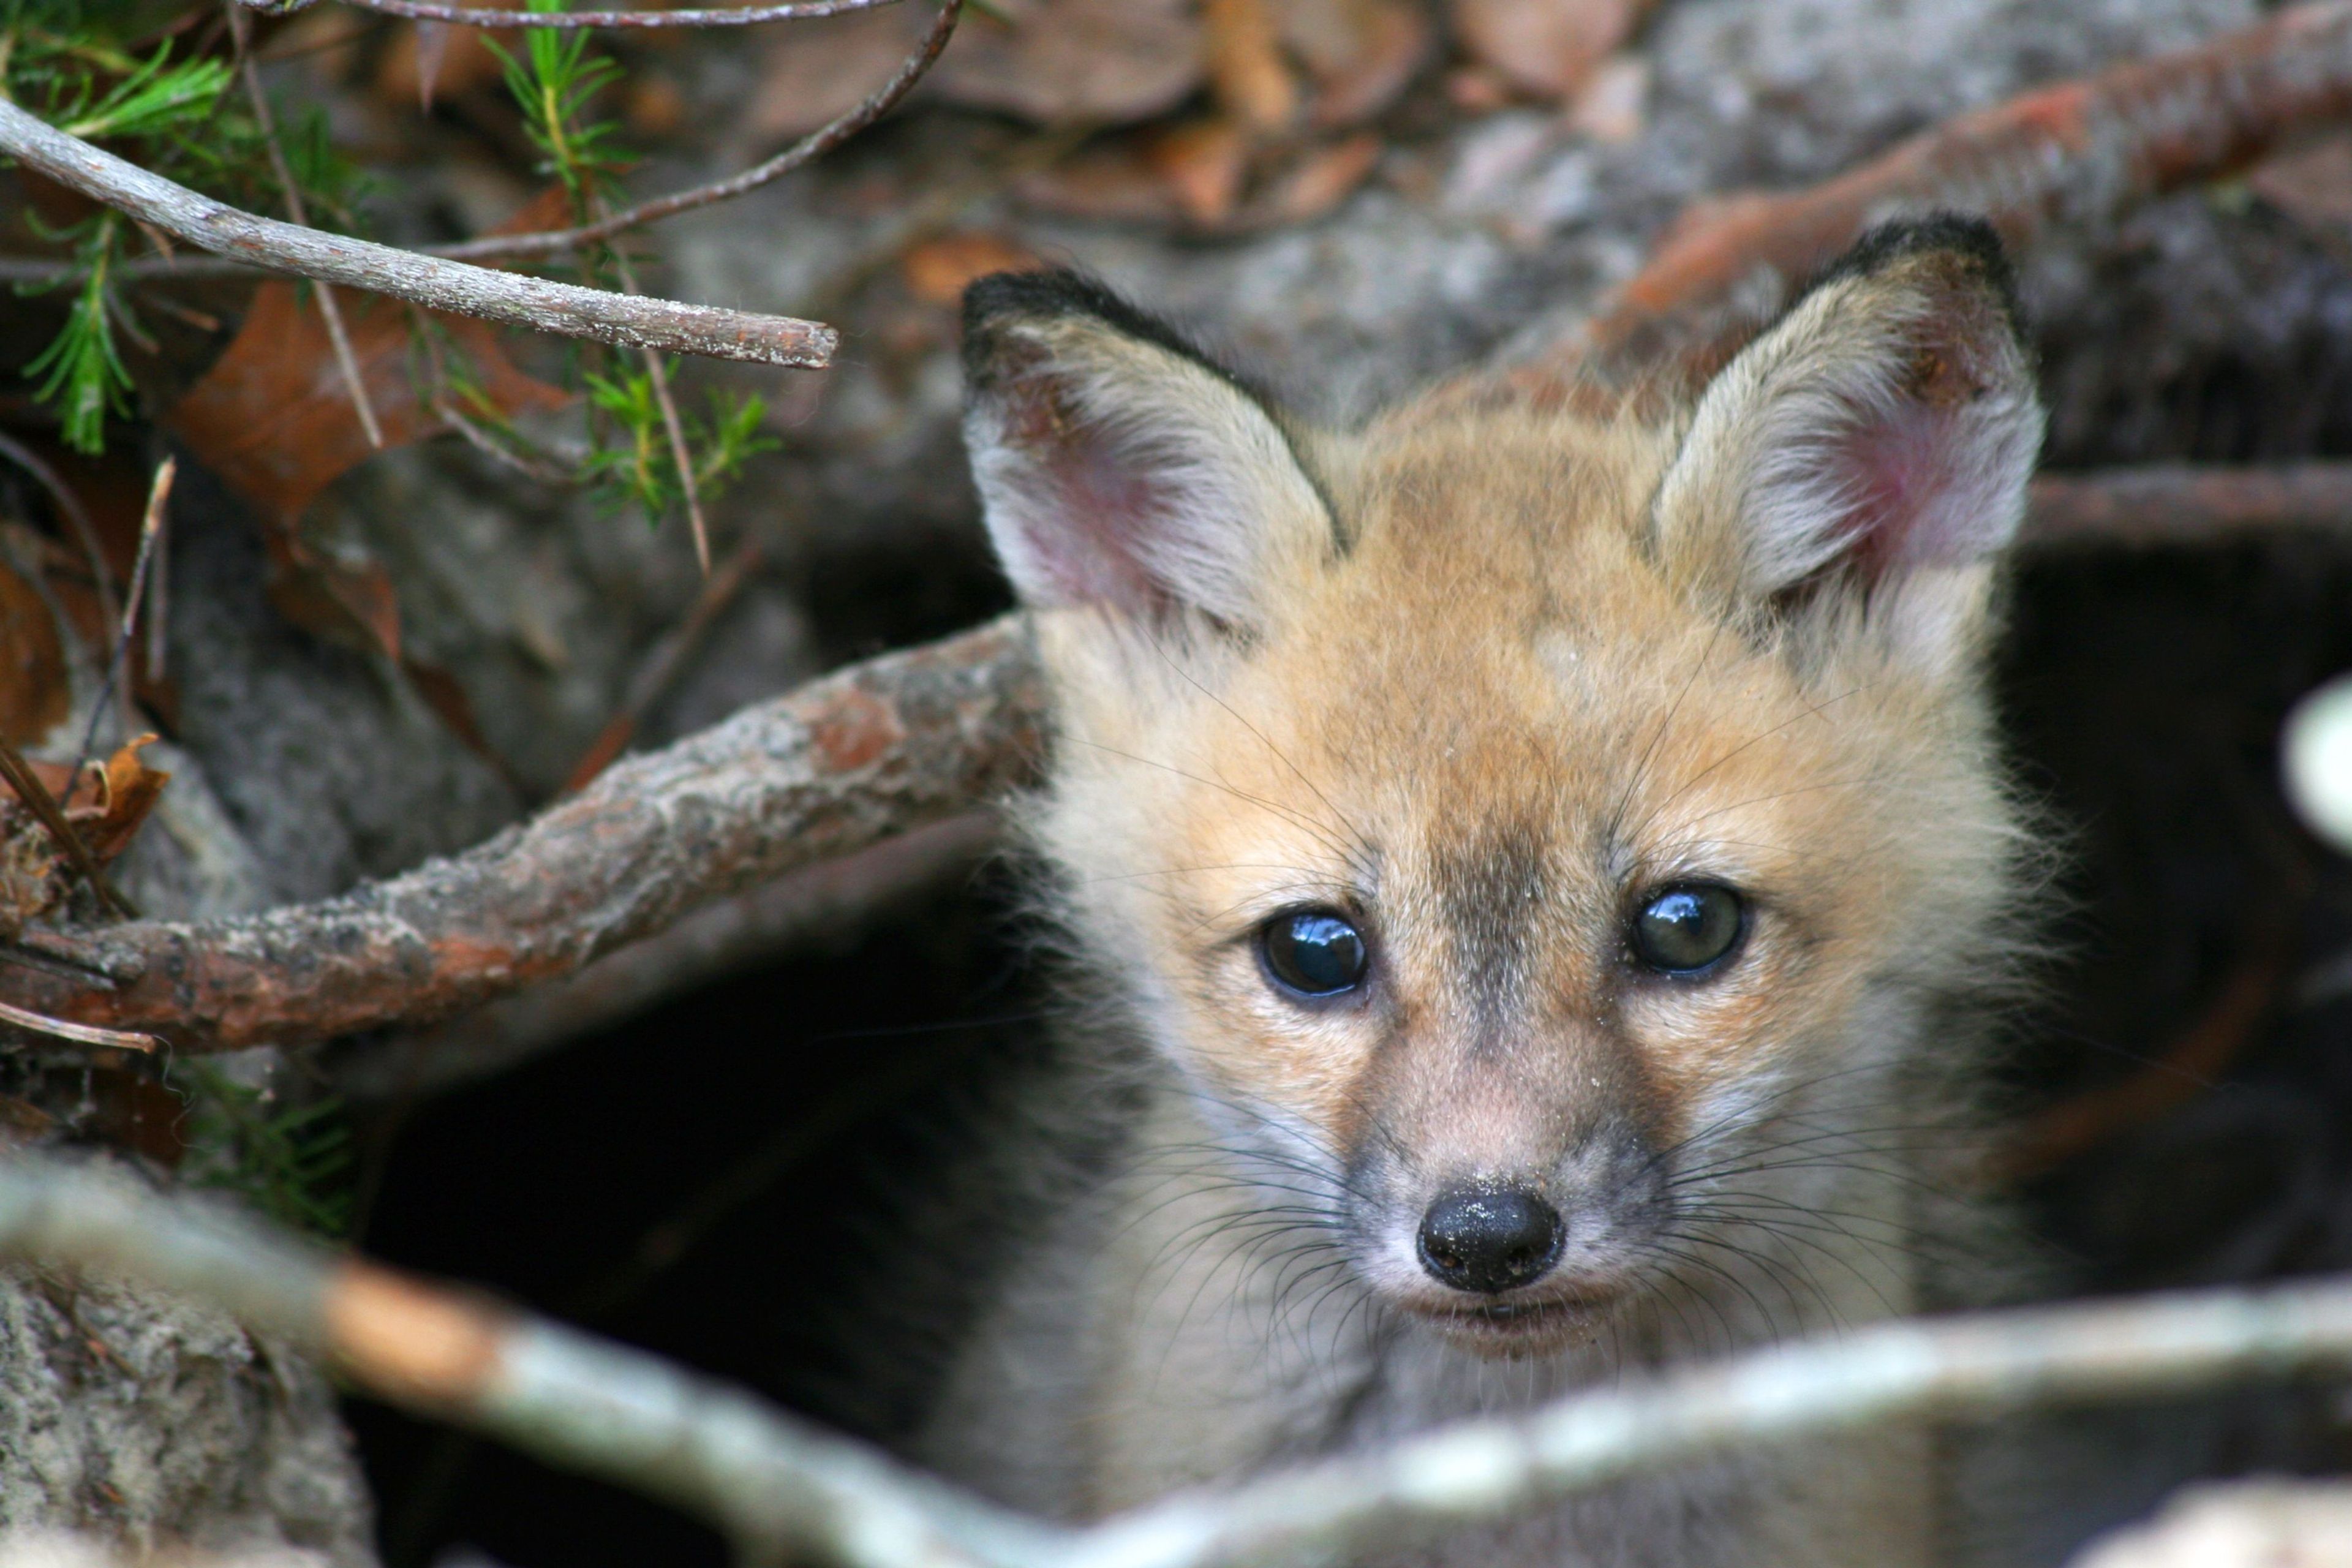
x: 1914, y: 502
x: 1899, y: 473
x: 1090, y: 514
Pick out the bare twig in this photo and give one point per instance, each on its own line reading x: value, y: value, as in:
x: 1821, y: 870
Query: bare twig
x: 816, y: 144
x: 241, y: 30
x: 150, y: 528
x: 487, y: 16
x: 80, y: 1034
x: 674, y: 428
x: 20, y: 777
x: 651, y: 681
x: 69, y: 507
x: 641, y: 321
x: 778, y: 1485
x: 868, y: 752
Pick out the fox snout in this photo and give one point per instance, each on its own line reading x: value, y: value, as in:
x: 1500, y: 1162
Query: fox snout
x: 1497, y: 1250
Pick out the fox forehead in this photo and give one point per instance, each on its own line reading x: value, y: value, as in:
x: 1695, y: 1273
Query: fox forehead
x: 1484, y: 728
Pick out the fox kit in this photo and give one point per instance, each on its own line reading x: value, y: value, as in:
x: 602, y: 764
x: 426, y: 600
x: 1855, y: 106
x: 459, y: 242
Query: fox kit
x: 1536, y: 876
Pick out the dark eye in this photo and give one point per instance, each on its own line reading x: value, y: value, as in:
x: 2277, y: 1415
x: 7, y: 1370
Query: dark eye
x: 1313, y: 952
x: 1684, y: 930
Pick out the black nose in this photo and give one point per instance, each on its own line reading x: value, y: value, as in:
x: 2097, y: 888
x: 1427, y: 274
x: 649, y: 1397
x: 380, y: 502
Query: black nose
x: 1489, y: 1238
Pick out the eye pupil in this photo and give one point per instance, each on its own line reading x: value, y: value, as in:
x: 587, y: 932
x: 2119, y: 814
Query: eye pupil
x: 1684, y: 930
x: 1314, y: 952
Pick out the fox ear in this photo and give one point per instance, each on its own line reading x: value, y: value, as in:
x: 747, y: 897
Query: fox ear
x: 1883, y: 428
x: 1117, y: 465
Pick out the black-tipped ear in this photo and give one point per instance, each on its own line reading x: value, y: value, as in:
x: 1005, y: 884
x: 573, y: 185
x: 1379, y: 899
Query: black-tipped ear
x: 1884, y: 427
x: 1119, y: 466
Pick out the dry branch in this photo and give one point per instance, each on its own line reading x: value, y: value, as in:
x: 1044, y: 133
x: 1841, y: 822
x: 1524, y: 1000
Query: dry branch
x: 847, y: 761
x: 2179, y: 503
x: 778, y: 1485
x: 2079, y: 151
x: 490, y: 17
x: 871, y: 752
x: 634, y: 321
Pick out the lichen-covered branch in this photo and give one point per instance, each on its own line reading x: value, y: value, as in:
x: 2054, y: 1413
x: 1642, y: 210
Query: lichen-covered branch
x: 2079, y: 151
x: 871, y: 752
x: 772, y: 1481
x: 634, y: 321
x: 778, y: 1485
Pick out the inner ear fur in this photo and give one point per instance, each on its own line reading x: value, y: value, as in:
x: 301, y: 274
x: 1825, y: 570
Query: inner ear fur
x: 1880, y: 435
x: 1120, y: 467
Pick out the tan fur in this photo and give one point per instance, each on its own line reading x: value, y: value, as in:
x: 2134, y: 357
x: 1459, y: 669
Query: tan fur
x: 1538, y: 670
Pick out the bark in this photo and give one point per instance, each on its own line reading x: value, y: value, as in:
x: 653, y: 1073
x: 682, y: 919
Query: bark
x: 635, y: 320
x: 903, y: 740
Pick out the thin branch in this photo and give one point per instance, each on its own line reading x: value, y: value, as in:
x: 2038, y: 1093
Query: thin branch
x: 670, y: 657
x: 80, y: 1034
x: 241, y: 30
x: 816, y: 144
x: 150, y: 528
x: 772, y: 1480
x: 844, y: 762
x: 77, y: 518
x: 778, y: 1485
x: 522, y: 301
x: 488, y: 17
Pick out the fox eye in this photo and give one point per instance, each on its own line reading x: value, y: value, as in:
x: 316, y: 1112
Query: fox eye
x: 1686, y: 929
x: 1313, y: 952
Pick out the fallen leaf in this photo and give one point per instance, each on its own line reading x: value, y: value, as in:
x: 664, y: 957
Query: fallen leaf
x: 1110, y: 180
x: 35, y: 688
x: 1546, y: 49
x: 1360, y: 55
x: 938, y: 270
x: 1248, y: 74
x: 2312, y: 184
x: 126, y: 790
x: 1318, y: 183
x: 426, y: 60
x: 812, y: 71
x: 273, y: 420
x: 347, y: 600
x: 1076, y: 62
x: 1203, y: 162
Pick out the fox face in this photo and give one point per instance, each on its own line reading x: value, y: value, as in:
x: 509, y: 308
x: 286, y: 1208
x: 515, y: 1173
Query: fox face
x: 1534, y: 840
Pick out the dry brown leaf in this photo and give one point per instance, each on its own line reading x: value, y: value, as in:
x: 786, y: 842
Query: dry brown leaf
x: 1320, y: 182
x: 1203, y: 162
x: 1076, y: 62
x: 106, y: 811
x: 1361, y: 54
x: 1110, y: 181
x: 940, y: 269
x: 350, y: 603
x: 429, y: 59
x: 1546, y: 49
x: 35, y: 688
x: 272, y: 417
x: 2312, y: 184
x: 812, y: 71
x: 1251, y: 81
x: 126, y: 791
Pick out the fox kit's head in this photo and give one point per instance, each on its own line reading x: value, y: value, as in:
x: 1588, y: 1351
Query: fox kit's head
x: 1522, y: 830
